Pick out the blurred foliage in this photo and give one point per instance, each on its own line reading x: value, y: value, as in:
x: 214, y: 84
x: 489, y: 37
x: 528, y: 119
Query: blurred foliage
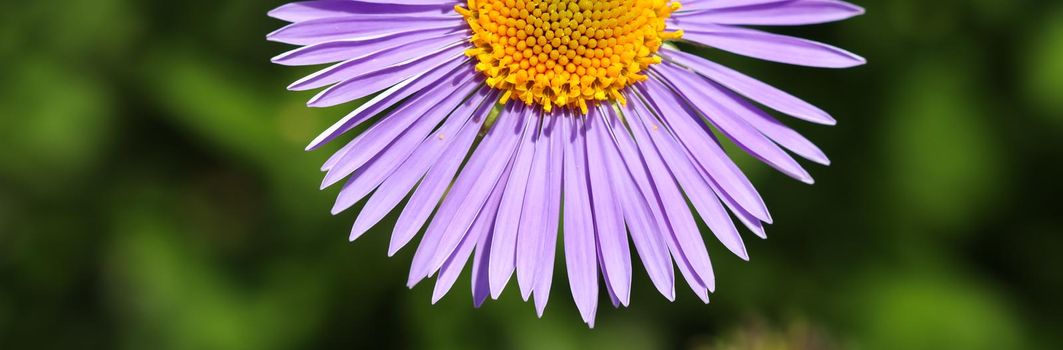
x: 154, y: 194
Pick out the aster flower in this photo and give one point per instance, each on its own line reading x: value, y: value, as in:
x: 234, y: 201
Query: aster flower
x: 516, y: 124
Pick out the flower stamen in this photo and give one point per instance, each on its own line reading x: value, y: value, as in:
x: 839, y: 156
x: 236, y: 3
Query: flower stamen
x: 566, y: 53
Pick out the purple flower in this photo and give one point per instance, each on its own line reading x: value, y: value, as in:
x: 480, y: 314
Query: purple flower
x: 508, y: 119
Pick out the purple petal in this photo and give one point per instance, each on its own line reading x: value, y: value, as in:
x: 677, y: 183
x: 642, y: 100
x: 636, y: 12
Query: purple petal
x: 771, y: 127
x: 343, y: 50
x: 380, y: 135
x: 439, y: 76
x: 544, y: 270
x: 469, y: 192
x: 387, y: 99
x: 640, y: 171
x: 693, y: 184
x: 480, y: 289
x: 533, y: 219
x: 580, y: 250
x: 784, y: 13
x: 668, y: 102
x: 645, y: 234
x: 666, y: 105
x: 382, y: 165
x: 367, y: 84
x: 413, y: 2
x: 480, y: 283
x: 504, y: 244
x: 720, y: 112
x: 403, y: 179
x: 437, y: 181
x: 309, y: 10
x: 757, y: 91
x: 752, y: 222
x: 358, y: 27
x: 703, y: 147
x: 684, y: 230
x: 614, y: 251
x: 770, y: 47
x: 456, y: 262
x: 698, y: 5
x: 354, y: 67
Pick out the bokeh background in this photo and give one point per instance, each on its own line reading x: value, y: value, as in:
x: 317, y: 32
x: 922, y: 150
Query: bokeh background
x: 154, y: 194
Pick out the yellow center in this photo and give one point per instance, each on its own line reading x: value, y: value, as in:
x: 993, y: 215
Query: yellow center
x: 566, y: 52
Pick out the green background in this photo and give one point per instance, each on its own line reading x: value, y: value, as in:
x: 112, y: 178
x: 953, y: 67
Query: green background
x: 154, y: 195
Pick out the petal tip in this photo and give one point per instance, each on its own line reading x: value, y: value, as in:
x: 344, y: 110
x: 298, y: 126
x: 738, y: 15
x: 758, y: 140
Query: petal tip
x: 438, y: 295
x: 314, y: 145
x: 281, y: 59
x: 358, y: 230
x: 413, y: 281
x: 827, y: 120
x: 275, y: 13
x: 857, y: 9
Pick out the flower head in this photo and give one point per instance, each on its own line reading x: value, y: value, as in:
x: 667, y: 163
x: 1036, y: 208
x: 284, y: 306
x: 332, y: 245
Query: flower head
x: 514, y: 124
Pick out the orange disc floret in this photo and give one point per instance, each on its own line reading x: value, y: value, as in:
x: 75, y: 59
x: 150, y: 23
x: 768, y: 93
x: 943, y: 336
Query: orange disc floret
x: 566, y: 53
